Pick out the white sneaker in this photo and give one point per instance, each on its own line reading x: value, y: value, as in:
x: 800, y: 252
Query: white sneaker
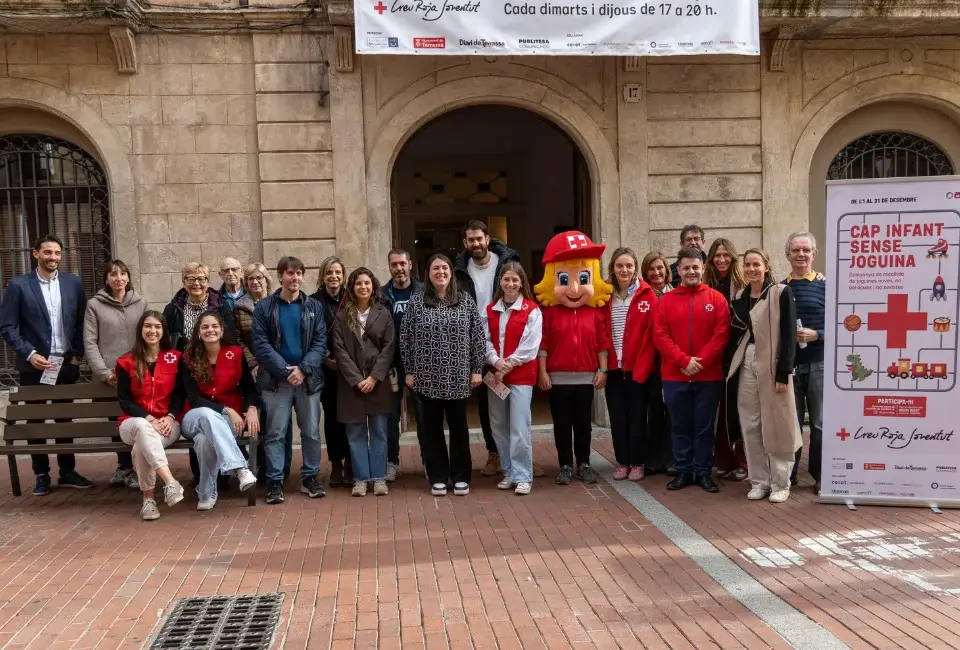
x: 438, y: 490
x: 461, y: 489
x: 780, y: 495
x: 393, y: 471
x: 207, y: 504
x: 505, y: 484
x: 246, y: 478
x: 172, y: 494
x: 149, y: 511
x: 131, y: 481
x: 757, y: 493
x: 523, y: 488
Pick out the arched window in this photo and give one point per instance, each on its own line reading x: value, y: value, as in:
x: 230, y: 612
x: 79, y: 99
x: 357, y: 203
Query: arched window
x: 889, y: 154
x: 51, y: 186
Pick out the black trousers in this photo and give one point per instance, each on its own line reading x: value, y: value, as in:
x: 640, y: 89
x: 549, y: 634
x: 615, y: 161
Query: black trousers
x: 627, y: 406
x: 483, y: 410
x: 69, y: 373
x: 659, y: 445
x: 441, y: 467
x: 334, y: 432
x: 570, y: 408
x: 393, y: 426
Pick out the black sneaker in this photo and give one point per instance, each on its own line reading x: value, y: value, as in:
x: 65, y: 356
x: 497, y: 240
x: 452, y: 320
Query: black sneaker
x: 565, y: 475
x: 706, y: 482
x: 42, y: 488
x: 671, y: 469
x: 275, y: 494
x: 680, y: 481
x: 73, y: 480
x: 311, y: 487
x: 586, y: 473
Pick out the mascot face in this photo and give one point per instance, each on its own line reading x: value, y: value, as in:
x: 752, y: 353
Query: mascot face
x: 573, y: 283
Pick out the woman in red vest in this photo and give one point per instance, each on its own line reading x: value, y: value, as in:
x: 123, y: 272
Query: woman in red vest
x: 151, y: 399
x: 219, y: 387
x: 513, y: 332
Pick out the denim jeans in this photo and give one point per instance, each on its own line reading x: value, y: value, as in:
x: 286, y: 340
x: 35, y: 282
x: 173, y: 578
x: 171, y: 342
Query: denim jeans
x: 278, y: 404
x: 216, y: 447
x: 393, y: 426
x: 808, y: 392
x: 693, y: 413
x: 368, y: 448
x: 510, y: 422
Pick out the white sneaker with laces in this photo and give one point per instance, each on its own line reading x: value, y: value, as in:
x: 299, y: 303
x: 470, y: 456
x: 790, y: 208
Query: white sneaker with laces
x: 505, y: 484
x: 172, y: 494
x: 131, y: 481
x: 461, y: 489
x: 149, y: 511
x: 757, y: 493
x: 393, y: 471
x: 119, y: 478
x: 780, y: 495
x: 523, y: 488
x: 438, y: 490
x: 207, y: 504
x: 246, y: 478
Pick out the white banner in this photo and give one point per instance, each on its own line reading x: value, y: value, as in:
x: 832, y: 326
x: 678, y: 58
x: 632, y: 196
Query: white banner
x: 495, y: 27
x: 890, y: 378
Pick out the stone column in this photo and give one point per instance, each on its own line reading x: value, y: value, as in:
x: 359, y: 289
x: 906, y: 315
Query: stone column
x: 632, y: 156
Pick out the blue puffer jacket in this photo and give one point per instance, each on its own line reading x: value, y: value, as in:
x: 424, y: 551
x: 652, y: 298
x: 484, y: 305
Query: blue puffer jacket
x: 266, y: 343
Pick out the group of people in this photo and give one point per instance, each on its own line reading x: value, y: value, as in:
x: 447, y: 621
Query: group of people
x: 706, y: 361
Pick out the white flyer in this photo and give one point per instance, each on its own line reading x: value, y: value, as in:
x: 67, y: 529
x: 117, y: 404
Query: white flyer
x: 499, y: 388
x: 49, y: 376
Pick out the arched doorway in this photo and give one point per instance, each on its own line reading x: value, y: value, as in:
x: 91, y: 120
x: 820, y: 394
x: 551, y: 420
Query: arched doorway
x: 884, y: 140
x: 50, y: 185
x: 507, y: 166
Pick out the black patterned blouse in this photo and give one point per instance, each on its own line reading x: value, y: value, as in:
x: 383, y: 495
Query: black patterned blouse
x: 441, y: 346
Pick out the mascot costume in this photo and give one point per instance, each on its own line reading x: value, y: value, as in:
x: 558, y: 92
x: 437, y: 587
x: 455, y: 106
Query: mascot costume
x: 573, y: 351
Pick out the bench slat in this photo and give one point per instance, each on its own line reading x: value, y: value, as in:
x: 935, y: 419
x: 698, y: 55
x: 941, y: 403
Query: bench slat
x: 94, y: 390
x: 88, y: 447
x: 51, y: 431
x: 67, y: 411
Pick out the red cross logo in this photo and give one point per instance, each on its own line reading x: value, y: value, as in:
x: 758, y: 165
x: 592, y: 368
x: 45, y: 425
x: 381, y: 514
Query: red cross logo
x: 708, y: 307
x: 229, y: 354
x: 380, y: 8
x: 643, y: 307
x: 576, y: 241
x: 897, y: 321
x: 843, y: 434
x: 169, y: 357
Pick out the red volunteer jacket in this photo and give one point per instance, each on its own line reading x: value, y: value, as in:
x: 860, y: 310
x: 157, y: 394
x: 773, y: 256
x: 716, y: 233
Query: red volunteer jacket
x: 155, y: 392
x: 692, y: 323
x: 525, y: 375
x: 639, y: 353
x: 572, y: 338
x: 225, y: 388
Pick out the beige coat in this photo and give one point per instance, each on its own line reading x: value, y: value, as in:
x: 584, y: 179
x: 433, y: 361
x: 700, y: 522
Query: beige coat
x: 110, y: 329
x: 778, y: 411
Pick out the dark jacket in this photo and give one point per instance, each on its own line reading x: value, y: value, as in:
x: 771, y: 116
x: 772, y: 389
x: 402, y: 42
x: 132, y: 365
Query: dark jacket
x: 388, y: 298
x: 173, y: 318
x: 464, y: 281
x: 331, y: 307
x: 266, y: 342
x: 360, y: 357
x: 25, y: 322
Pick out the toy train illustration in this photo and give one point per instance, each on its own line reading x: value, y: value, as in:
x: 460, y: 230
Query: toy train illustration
x: 904, y: 369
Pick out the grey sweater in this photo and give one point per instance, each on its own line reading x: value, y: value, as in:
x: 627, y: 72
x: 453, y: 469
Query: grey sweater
x: 109, y: 330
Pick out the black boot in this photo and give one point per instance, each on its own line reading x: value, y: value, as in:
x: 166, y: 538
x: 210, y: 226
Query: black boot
x: 680, y: 481
x: 706, y: 482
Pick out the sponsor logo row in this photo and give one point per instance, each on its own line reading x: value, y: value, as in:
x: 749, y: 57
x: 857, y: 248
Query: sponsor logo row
x: 441, y: 43
x: 881, y: 467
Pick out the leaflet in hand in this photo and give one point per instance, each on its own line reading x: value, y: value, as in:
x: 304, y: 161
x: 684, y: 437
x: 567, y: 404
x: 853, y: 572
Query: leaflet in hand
x: 499, y: 388
x: 49, y: 376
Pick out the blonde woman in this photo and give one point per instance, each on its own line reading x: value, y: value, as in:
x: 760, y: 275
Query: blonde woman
x: 658, y: 454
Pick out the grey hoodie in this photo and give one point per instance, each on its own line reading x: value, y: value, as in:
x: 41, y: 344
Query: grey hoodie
x: 109, y: 330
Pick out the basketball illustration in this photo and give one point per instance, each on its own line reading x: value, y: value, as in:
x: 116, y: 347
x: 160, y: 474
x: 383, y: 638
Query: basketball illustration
x: 852, y: 323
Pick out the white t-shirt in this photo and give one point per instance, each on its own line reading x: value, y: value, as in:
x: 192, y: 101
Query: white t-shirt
x: 484, y: 278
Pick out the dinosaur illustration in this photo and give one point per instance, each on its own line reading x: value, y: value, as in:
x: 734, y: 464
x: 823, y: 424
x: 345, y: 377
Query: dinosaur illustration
x: 857, y: 370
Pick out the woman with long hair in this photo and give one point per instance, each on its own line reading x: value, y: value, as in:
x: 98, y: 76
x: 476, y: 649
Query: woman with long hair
x: 151, y: 398
x: 219, y: 387
x: 441, y: 342
x: 759, y: 387
x: 724, y: 272
x: 514, y: 327
x: 109, y: 332
x: 363, y: 344
x: 330, y: 294
x: 659, y: 449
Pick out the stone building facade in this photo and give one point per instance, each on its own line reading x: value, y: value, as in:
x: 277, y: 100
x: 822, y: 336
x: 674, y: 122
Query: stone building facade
x: 256, y: 132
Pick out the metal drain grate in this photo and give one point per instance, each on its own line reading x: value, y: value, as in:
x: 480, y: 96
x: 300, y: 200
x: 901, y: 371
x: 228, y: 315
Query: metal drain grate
x: 221, y: 623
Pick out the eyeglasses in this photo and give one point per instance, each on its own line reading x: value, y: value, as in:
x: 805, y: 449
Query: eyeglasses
x: 255, y: 278
x: 232, y: 269
x: 191, y: 279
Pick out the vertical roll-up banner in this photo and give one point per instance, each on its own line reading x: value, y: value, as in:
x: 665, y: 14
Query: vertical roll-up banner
x: 891, y: 404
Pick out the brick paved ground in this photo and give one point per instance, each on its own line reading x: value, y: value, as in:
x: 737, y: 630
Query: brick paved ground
x: 563, y: 568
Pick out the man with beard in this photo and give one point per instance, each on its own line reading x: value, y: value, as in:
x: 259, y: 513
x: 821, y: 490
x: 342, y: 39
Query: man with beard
x: 477, y: 269
x: 42, y: 317
x: 396, y: 294
x: 690, y: 237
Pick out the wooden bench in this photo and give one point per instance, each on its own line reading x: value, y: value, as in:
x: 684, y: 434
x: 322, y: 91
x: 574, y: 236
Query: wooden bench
x: 82, y: 411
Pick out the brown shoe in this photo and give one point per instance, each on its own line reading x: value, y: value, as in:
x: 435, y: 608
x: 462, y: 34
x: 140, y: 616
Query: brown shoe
x: 538, y: 471
x: 336, y: 474
x: 493, y: 465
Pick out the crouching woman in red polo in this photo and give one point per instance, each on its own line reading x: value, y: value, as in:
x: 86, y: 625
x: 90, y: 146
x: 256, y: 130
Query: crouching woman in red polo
x: 151, y: 399
x: 219, y: 387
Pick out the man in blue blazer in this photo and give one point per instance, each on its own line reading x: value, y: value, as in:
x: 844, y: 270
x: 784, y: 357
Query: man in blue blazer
x: 42, y: 316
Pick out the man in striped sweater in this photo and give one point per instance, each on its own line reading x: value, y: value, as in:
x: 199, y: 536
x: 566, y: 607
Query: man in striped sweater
x: 810, y: 292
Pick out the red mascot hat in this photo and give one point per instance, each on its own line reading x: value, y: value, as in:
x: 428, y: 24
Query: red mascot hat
x: 572, y: 245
